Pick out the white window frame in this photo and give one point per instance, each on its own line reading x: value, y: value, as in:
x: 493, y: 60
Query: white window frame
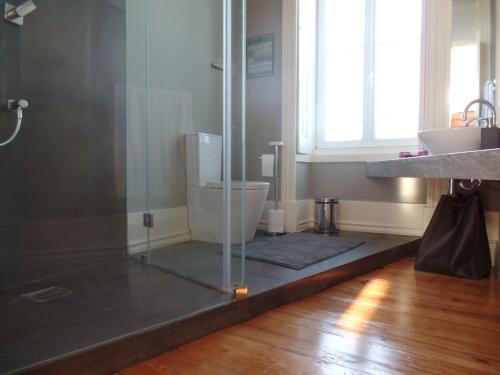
x: 368, y: 140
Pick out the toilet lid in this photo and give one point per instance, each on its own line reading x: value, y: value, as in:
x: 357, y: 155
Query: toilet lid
x: 238, y: 185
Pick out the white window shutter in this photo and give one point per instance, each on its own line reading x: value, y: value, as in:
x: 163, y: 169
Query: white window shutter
x: 435, y: 75
x: 307, y: 77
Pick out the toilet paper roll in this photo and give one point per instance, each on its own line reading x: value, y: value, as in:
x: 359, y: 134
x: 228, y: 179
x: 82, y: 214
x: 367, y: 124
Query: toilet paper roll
x: 267, y: 165
x: 275, y: 221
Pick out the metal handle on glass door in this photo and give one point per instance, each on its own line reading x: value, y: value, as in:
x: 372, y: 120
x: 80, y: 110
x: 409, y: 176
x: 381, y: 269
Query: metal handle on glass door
x: 17, y: 106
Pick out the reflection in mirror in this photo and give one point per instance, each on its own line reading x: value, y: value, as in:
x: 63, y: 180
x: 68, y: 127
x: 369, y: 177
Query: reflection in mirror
x: 472, y: 65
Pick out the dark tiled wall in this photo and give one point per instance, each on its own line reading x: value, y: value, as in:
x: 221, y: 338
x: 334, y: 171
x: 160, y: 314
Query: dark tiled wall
x: 62, y: 202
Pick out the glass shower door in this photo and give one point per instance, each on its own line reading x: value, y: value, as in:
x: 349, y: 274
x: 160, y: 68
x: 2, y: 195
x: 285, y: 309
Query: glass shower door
x: 239, y: 210
x: 194, y: 96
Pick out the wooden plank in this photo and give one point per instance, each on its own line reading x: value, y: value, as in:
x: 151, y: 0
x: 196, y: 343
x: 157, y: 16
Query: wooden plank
x: 181, y: 363
x: 419, y: 306
x: 392, y: 321
x: 463, y: 300
x: 142, y: 369
x: 401, y: 338
x: 480, y: 341
x: 396, y: 355
x: 355, y: 354
x: 252, y: 357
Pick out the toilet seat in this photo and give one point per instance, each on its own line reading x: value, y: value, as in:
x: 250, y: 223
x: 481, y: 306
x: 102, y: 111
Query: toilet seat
x: 238, y: 185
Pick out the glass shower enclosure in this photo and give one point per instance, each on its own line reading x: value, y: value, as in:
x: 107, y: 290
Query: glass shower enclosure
x: 188, y: 81
x: 123, y: 194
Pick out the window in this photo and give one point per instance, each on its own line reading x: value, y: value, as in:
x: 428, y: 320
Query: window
x: 464, y: 80
x: 465, y: 60
x: 368, y: 72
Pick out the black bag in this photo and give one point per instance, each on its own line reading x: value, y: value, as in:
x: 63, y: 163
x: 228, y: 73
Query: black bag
x: 455, y: 243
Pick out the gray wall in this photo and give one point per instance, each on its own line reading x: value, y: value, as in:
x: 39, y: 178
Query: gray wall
x: 344, y: 180
x: 264, y: 94
x: 303, y: 181
x: 60, y: 205
x: 181, y: 66
x: 185, y: 37
x: 348, y: 181
x: 264, y: 125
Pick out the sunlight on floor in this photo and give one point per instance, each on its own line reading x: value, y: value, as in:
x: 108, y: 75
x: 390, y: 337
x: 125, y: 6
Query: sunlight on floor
x: 356, y: 316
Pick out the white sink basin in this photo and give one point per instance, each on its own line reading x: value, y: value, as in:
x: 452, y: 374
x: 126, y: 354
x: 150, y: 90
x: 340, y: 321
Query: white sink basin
x: 446, y: 141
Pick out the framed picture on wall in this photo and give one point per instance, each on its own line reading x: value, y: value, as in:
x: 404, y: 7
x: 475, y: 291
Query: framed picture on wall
x: 260, y: 56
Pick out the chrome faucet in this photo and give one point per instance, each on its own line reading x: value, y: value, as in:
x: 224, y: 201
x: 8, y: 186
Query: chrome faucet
x: 479, y: 121
x: 15, y: 13
x: 493, y: 122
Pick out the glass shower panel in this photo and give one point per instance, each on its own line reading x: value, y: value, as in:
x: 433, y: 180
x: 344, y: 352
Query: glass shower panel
x: 113, y: 194
x: 72, y: 182
x: 241, y: 223
x: 136, y: 98
x: 191, y: 97
x: 63, y: 178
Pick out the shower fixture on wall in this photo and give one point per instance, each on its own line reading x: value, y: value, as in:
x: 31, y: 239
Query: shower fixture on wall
x: 16, y: 106
x: 16, y: 14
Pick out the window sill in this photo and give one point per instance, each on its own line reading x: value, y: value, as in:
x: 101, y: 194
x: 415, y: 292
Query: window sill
x: 354, y: 155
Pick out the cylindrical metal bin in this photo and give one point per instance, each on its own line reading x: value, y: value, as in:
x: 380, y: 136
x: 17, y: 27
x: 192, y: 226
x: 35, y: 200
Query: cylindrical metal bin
x: 325, y: 218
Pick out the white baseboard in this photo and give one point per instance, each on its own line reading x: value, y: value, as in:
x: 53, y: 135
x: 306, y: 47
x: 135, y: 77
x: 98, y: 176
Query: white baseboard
x: 360, y: 216
x: 171, y: 224
x: 363, y: 216
x: 170, y: 227
x: 382, y: 217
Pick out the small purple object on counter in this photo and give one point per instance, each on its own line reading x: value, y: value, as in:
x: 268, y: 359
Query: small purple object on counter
x: 406, y: 154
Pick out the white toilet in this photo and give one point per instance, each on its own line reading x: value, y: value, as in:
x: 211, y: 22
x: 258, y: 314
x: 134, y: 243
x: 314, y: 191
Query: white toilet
x: 205, y: 193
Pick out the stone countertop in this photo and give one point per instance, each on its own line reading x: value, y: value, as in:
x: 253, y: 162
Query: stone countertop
x: 480, y: 164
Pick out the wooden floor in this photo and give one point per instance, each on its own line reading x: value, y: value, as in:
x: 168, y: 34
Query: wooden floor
x: 392, y: 321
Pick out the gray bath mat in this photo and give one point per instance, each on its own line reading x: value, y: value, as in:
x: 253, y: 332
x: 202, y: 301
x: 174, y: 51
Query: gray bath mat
x: 298, y: 250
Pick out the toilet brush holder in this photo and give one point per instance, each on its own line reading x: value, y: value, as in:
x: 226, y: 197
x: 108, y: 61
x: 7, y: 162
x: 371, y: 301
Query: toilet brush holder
x: 275, y: 222
x: 276, y: 216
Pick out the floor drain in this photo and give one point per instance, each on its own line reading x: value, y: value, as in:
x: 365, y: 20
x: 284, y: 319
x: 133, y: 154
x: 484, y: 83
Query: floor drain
x: 48, y: 294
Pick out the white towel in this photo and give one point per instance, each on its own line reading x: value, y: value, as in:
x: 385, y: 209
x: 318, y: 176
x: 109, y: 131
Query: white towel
x: 161, y: 144
x: 171, y: 117
x: 489, y: 95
